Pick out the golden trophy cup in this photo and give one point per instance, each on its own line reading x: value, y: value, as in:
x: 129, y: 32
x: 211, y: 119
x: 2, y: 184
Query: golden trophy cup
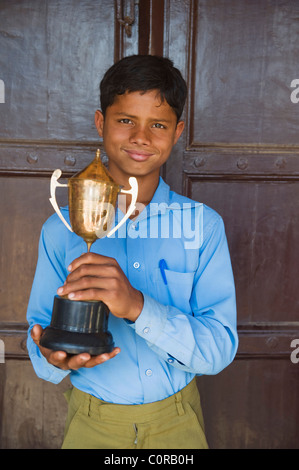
x: 82, y: 326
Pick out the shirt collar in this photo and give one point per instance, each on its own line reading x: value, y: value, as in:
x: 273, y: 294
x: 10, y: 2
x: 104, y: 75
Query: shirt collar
x: 160, y: 202
x: 161, y: 194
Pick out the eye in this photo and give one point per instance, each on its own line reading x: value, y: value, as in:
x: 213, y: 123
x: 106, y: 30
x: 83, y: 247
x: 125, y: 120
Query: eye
x: 125, y: 121
x: 158, y: 125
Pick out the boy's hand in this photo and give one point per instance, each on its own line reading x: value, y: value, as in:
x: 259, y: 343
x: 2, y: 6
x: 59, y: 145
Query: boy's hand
x: 64, y: 361
x: 97, y: 277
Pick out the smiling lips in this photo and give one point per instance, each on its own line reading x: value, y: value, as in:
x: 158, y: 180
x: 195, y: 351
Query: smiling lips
x: 138, y: 155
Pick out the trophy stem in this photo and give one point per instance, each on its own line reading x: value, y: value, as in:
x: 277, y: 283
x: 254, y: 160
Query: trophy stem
x: 88, y: 246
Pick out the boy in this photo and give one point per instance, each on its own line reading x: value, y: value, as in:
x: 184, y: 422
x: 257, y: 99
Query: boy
x: 167, y: 282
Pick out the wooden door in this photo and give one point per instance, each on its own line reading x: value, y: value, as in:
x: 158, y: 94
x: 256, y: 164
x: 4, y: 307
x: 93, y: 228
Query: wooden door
x: 241, y: 157
x: 239, y: 154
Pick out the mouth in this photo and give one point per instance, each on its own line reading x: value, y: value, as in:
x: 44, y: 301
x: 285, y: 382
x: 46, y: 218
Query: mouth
x: 138, y: 155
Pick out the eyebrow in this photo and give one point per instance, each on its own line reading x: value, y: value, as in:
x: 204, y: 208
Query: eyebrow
x: 135, y: 117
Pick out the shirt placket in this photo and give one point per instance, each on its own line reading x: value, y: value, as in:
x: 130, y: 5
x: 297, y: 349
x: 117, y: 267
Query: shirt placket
x: 137, y: 275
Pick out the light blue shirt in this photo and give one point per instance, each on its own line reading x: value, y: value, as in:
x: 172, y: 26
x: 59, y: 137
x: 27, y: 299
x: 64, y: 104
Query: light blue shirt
x: 188, y: 323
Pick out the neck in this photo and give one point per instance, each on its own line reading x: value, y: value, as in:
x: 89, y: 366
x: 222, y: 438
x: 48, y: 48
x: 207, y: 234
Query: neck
x: 146, y: 190
x: 147, y: 184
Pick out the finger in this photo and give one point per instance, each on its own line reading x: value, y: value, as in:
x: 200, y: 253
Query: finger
x: 63, y: 361
x: 99, y: 271
x: 88, y: 294
x: 77, y: 361
x: 101, y: 358
x: 36, y: 333
x: 91, y: 258
x: 53, y: 357
x: 93, y: 270
x: 58, y: 359
x: 88, y: 286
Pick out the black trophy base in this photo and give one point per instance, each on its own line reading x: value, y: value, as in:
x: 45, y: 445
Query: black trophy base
x: 77, y: 327
x: 76, y: 343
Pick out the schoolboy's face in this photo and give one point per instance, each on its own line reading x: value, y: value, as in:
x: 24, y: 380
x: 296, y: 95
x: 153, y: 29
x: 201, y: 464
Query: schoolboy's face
x: 139, y: 132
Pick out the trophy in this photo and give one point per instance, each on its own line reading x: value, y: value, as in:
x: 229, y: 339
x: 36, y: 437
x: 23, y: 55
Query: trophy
x: 82, y: 326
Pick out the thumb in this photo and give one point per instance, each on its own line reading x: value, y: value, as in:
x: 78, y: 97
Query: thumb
x: 36, y: 333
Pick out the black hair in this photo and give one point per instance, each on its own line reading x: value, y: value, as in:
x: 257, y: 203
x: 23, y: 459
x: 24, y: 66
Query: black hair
x: 144, y: 73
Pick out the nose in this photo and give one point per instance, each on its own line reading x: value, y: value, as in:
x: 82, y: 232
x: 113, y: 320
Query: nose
x: 140, y: 135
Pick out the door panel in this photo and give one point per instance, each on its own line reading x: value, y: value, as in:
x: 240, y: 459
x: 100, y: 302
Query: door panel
x: 261, y: 227
x: 53, y: 56
x: 34, y: 410
x: 252, y: 404
x: 241, y: 158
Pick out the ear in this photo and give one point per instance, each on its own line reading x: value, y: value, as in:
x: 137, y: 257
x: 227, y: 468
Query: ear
x: 178, y: 131
x: 99, y: 122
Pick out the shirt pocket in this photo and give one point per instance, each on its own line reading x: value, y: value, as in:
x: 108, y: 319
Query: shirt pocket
x: 177, y: 291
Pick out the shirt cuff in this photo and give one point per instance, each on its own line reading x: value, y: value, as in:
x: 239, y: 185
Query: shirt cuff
x: 152, y: 319
x: 43, y: 369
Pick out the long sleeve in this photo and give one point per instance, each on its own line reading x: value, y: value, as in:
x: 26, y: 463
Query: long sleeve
x: 205, y: 341
x: 49, y: 275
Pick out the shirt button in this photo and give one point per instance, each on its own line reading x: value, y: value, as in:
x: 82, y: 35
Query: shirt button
x: 148, y: 372
x: 136, y: 265
x: 146, y: 329
x: 170, y: 360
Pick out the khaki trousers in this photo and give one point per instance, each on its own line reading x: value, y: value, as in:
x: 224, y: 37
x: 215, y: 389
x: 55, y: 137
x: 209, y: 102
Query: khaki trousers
x: 173, y: 423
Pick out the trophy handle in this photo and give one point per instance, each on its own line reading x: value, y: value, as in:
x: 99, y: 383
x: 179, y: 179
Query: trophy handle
x: 134, y: 192
x: 53, y: 185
